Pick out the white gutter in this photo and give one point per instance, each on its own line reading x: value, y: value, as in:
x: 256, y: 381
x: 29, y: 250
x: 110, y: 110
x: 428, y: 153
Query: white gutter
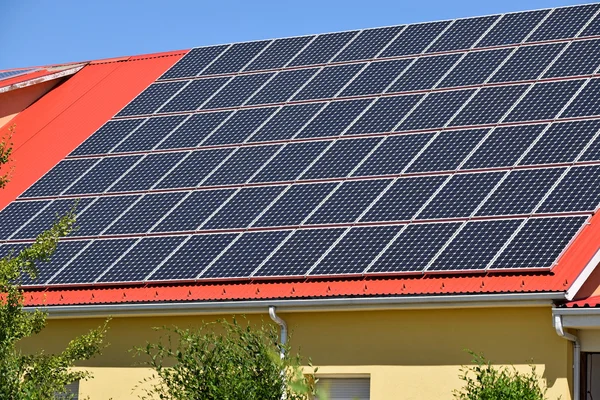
x: 558, y: 325
x: 544, y: 299
x: 284, y: 330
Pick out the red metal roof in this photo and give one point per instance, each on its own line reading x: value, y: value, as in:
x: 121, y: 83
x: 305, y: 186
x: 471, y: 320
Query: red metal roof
x: 590, y: 302
x: 56, y: 124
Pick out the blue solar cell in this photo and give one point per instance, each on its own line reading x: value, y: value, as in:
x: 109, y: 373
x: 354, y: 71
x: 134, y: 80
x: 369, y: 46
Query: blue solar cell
x: 564, y: 22
x: 562, y: 143
x: 462, y: 34
x: 55, y: 181
x: 240, y: 126
x: 145, y: 174
x: 18, y: 213
x: 102, y: 213
x: 194, y: 130
x: 142, y: 259
x: 16, y: 72
x: 93, y: 261
x: 489, y: 105
x: 194, y: 62
x: 424, y: 73
x: 512, y: 28
x: 355, y: 252
x: 65, y: 251
x: 414, y: 39
x: 475, y: 245
x: 194, y: 169
x: 296, y: 256
x: 349, y: 202
x: 47, y: 217
x: 193, y: 257
x: 236, y: 57
x: 593, y: 29
x: 323, y: 48
x: 237, y: 91
x: 334, y: 118
x: 328, y: 82
x: 461, y: 196
x: 103, y: 174
x: 579, y: 190
x: 107, y: 137
x: 149, y: 134
x: 384, y: 114
x: 246, y: 254
x: 368, y: 43
x: 436, y: 110
x: 527, y: 63
x: 520, y: 192
x: 243, y: 208
x: 587, y: 103
x: 295, y: 205
x: 288, y: 120
x: 544, y: 101
x: 414, y: 248
x: 580, y: 58
x: 282, y: 86
x: 341, y: 158
x: 475, y: 68
x: 145, y: 213
x: 151, y: 99
x: 539, y: 243
x: 375, y: 78
x: 279, y: 53
x: 193, y: 211
x: 289, y: 163
x: 241, y: 166
x: 393, y: 155
x: 448, y: 150
x: 504, y: 146
x: 404, y: 199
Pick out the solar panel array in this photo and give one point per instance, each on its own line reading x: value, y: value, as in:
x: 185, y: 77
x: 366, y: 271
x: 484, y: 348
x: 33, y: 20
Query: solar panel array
x: 14, y: 72
x: 465, y: 145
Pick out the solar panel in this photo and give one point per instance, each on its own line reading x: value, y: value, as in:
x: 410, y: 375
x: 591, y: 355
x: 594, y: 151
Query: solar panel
x: 465, y: 145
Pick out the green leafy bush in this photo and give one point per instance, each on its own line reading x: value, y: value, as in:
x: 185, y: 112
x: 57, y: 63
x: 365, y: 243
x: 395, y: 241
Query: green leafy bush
x: 485, y: 382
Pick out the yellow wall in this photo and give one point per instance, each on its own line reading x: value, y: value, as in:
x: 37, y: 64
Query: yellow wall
x: 409, y: 354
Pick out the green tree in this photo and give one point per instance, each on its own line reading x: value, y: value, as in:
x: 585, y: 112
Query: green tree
x: 485, y: 382
x: 34, y: 376
x: 223, y: 361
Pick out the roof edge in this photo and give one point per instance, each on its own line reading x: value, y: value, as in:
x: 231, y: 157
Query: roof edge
x: 45, y: 78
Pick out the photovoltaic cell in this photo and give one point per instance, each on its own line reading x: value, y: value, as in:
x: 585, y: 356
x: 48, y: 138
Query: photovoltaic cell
x: 151, y: 99
x: 489, y: 105
x: 243, y: 208
x: 564, y: 22
x: 436, y: 110
x: 414, y: 248
x: 240, y: 167
x: 404, y: 199
x: 580, y: 58
x: 59, y: 178
x: 462, y: 34
x: 240, y: 126
x: 237, y: 91
x: 282, y: 86
x: 194, y: 169
x: 328, y: 82
x: 288, y: 120
x: 593, y: 29
x: 149, y: 134
x: 194, y: 95
x: 539, y: 243
x: 64, y: 252
x: 375, y: 78
x: 562, y: 143
x: 475, y: 68
x: 579, y: 190
x: 145, y: 174
x: 194, y: 130
x: 520, y: 192
x: 348, y: 202
x: 300, y: 252
x: 512, y: 28
x: 448, y: 150
x: 279, y: 53
x: 384, y: 114
x: 193, y: 62
x: 193, y: 257
x: 235, y: 57
x: 16, y: 214
x: 368, y: 43
x: 246, y: 254
x: 346, y: 257
x: 107, y: 137
x: 414, y: 39
x: 475, y: 245
x: 323, y: 48
x: 587, y: 103
x: 424, y: 73
x: 193, y: 211
x: 527, y: 63
x: 102, y: 213
x: 103, y: 174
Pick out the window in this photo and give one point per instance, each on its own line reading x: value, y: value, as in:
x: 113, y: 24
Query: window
x: 71, y: 392
x: 345, y: 388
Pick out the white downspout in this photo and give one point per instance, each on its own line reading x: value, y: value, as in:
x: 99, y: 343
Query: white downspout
x: 283, y: 341
x: 558, y: 325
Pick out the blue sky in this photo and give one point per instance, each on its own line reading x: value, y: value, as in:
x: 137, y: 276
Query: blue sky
x: 50, y: 32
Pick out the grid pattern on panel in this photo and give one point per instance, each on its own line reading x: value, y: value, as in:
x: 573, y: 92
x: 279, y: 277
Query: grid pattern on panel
x: 419, y: 148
